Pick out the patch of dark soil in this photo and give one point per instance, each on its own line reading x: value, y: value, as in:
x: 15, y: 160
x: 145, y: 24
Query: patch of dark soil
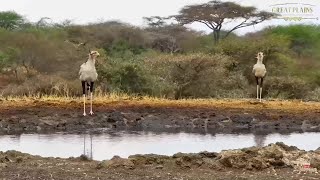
x: 161, y: 119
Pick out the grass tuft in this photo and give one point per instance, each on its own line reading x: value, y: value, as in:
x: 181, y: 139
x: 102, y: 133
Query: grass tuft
x: 118, y: 100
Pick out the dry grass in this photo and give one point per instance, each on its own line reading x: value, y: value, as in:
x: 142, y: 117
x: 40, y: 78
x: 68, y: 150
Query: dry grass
x: 122, y: 100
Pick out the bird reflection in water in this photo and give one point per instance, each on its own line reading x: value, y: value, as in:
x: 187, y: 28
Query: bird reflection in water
x: 87, y: 150
x: 260, y: 139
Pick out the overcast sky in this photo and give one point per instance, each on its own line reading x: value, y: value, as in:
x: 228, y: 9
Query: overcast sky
x: 85, y: 11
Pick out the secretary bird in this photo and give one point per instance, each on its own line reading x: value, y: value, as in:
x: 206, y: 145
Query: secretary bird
x: 88, y: 75
x: 259, y: 71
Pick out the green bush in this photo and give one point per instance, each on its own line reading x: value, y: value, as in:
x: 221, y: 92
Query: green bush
x: 196, y: 75
x: 286, y: 88
x: 305, y: 39
x: 130, y: 78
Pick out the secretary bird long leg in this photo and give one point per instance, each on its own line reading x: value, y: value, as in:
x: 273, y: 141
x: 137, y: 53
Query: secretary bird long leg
x: 88, y: 90
x: 261, y: 88
x: 84, y: 97
x: 257, y: 79
x: 84, y: 144
x: 91, y: 92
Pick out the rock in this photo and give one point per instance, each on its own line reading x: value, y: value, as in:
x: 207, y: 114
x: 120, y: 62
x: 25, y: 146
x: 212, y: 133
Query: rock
x: 233, y: 159
x: 133, y: 117
x: 3, y: 165
x: 208, y: 154
x: 153, y: 122
x: 242, y: 119
x: 19, y: 159
x: 286, y: 147
x: 188, y: 159
x: 219, y: 122
x: 23, y: 121
x: 120, y: 124
x: 226, y: 121
x: 115, y: 117
x: 213, y: 124
x: 90, y: 122
x: 159, y: 167
x: 117, y: 162
x: 148, y: 159
x: 252, y: 151
x: 199, y: 123
x: 199, y: 162
x: 187, y: 156
x: 84, y: 157
x: 49, y: 122
x: 220, y: 118
x: 178, y: 161
x: 272, y: 151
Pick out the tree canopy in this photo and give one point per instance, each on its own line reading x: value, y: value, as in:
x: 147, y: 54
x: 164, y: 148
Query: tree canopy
x: 215, y: 14
x: 10, y: 20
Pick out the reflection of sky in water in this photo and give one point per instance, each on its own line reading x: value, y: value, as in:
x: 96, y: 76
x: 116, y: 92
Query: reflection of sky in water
x: 107, y: 145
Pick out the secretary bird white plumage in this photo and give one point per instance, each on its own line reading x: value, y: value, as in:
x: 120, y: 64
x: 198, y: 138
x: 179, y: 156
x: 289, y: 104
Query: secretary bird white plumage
x: 88, y: 75
x: 259, y: 71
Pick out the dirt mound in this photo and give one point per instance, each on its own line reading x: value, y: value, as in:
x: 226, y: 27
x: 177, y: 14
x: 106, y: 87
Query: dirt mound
x: 116, y: 162
x: 276, y: 155
x: 275, y: 161
x: 13, y: 156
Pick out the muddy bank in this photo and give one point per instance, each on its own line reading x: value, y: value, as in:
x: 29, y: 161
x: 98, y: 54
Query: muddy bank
x: 275, y: 161
x: 222, y: 117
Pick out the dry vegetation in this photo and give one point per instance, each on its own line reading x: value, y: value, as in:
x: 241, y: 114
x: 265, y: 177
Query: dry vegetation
x: 162, y: 60
x: 116, y: 100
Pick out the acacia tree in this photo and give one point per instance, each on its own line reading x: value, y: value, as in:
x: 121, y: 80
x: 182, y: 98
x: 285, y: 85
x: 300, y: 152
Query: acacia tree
x: 10, y: 20
x: 215, y: 14
x: 155, y: 21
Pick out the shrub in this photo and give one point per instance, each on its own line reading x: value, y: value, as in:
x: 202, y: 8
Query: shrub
x: 43, y: 85
x: 194, y: 75
x: 304, y: 39
x: 130, y: 78
x: 286, y: 87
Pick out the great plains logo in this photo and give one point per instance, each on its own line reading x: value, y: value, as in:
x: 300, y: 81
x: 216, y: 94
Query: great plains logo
x: 294, y: 11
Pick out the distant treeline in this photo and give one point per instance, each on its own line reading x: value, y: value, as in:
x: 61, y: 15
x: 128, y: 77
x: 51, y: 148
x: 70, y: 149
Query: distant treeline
x: 167, y: 60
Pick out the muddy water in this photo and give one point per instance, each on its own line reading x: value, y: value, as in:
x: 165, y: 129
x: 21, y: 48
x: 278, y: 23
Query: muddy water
x: 107, y: 144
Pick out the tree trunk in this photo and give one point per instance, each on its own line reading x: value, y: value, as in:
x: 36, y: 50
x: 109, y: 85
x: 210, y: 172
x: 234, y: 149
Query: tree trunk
x: 216, y: 36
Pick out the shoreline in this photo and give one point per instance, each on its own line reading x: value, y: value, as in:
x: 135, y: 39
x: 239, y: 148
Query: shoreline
x: 29, y: 115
